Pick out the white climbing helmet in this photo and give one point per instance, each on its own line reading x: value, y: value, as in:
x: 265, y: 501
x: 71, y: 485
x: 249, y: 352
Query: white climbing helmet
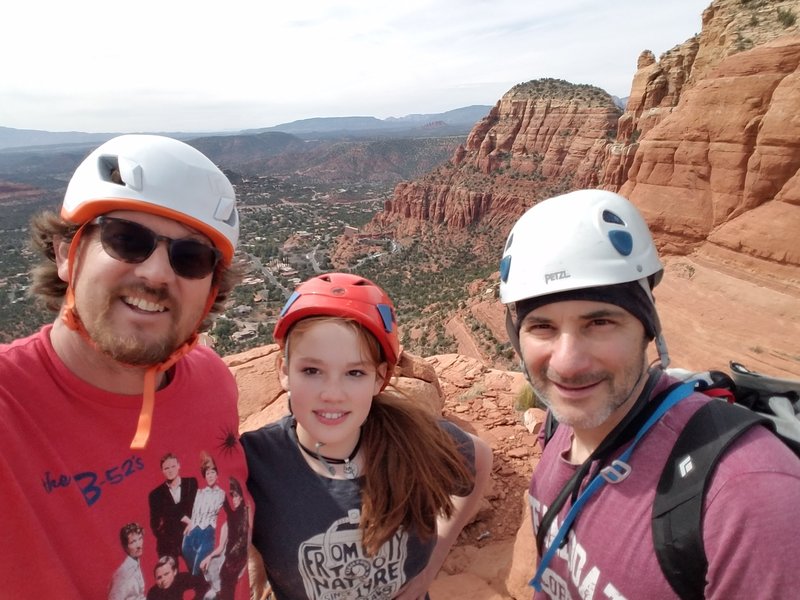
x: 587, y: 238
x: 157, y: 175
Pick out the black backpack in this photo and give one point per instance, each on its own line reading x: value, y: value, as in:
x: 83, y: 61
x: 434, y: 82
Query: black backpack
x: 752, y: 399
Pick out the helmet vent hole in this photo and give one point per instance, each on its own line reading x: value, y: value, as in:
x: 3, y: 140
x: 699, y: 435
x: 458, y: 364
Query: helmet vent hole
x: 610, y: 217
x: 109, y: 170
x: 510, y: 240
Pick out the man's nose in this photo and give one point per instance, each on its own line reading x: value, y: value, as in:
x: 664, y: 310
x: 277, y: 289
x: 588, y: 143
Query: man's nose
x: 569, y: 355
x: 156, y: 268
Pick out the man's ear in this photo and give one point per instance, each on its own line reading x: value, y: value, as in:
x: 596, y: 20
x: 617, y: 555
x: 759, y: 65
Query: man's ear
x: 61, y: 253
x: 283, y: 372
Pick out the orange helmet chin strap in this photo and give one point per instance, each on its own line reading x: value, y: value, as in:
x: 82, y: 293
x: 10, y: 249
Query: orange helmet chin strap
x: 68, y: 314
x: 145, y: 422
x: 144, y: 425
x: 70, y: 318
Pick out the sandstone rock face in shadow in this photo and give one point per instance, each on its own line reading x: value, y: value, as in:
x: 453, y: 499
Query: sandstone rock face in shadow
x: 261, y: 397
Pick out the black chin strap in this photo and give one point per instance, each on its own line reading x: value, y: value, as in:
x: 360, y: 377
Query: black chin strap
x: 624, y: 432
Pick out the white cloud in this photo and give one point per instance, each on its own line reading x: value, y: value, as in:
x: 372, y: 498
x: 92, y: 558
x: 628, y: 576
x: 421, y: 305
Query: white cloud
x: 200, y: 66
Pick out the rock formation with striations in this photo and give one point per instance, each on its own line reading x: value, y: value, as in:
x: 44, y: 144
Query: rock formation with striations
x: 540, y: 137
x: 729, y: 27
x: 721, y: 174
x: 708, y: 148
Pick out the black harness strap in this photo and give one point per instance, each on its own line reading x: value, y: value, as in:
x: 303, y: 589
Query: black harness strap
x: 678, y: 507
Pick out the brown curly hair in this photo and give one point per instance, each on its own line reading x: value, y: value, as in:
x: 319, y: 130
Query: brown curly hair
x: 49, y: 289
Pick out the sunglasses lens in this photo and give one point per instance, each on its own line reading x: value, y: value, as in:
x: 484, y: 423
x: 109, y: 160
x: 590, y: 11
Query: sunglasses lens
x: 133, y: 243
x: 127, y: 241
x: 192, y: 260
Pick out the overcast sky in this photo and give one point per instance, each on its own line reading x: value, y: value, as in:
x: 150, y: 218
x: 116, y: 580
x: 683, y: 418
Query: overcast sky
x: 179, y: 65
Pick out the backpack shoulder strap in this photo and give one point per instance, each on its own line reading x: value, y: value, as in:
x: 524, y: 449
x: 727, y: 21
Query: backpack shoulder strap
x: 678, y: 507
x: 550, y: 425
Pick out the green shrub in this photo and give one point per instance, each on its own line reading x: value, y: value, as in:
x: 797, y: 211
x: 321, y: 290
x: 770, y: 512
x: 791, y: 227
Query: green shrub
x: 743, y: 43
x: 786, y: 17
x: 526, y: 399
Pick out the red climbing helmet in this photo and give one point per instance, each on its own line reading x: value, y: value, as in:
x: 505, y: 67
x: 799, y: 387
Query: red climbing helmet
x: 349, y: 297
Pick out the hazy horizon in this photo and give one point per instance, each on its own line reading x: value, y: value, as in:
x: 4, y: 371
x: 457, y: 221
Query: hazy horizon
x: 192, y: 67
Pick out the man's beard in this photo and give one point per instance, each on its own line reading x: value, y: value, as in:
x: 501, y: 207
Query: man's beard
x: 619, y: 392
x: 133, y: 349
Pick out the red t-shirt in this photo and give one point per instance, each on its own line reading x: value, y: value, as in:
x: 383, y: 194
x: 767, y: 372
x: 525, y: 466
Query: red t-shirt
x: 69, y: 481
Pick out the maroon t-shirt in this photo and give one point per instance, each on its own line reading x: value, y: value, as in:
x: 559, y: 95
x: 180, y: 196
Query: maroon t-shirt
x: 751, y: 531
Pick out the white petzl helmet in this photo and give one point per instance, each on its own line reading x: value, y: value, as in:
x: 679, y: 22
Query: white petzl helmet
x: 157, y: 175
x: 583, y: 239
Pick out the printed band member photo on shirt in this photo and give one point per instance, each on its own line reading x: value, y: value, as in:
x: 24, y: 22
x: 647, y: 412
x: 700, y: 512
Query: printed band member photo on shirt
x: 198, y: 541
x: 360, y: 492
x: 136, y: 264
x: 225, y: 564
x: 171, y: 507
x: 128, y: 581
x: 170, y: 584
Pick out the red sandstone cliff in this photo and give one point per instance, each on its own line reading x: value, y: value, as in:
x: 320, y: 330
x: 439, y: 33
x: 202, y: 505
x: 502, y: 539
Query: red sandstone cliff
x: 708, y: 134
x: 721, y: 174
x: 708, y: 147
x: 540, y: 138
x: 729, y: 28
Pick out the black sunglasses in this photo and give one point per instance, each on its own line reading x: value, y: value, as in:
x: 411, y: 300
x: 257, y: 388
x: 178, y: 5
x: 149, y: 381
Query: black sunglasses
x: 133, y: 243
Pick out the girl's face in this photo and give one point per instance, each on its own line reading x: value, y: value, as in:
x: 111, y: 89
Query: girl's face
x: 332, y: 380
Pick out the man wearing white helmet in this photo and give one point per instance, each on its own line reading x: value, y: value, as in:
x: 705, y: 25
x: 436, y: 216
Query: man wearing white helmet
x: 137, y: 263
x: 577, y: 275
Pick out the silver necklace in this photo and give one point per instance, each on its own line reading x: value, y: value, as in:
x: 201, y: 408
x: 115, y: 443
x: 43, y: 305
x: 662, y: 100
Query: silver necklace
x: 350, y: 469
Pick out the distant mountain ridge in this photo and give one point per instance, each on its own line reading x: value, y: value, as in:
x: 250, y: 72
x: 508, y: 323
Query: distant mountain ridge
x: 29, y: 139
x: 20, y: 138
x: 232, y: 150
x: 453, y: 122
x: 458, y: 121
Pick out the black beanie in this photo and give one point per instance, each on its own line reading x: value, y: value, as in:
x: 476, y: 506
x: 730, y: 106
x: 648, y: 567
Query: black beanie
x: 630, y: 296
